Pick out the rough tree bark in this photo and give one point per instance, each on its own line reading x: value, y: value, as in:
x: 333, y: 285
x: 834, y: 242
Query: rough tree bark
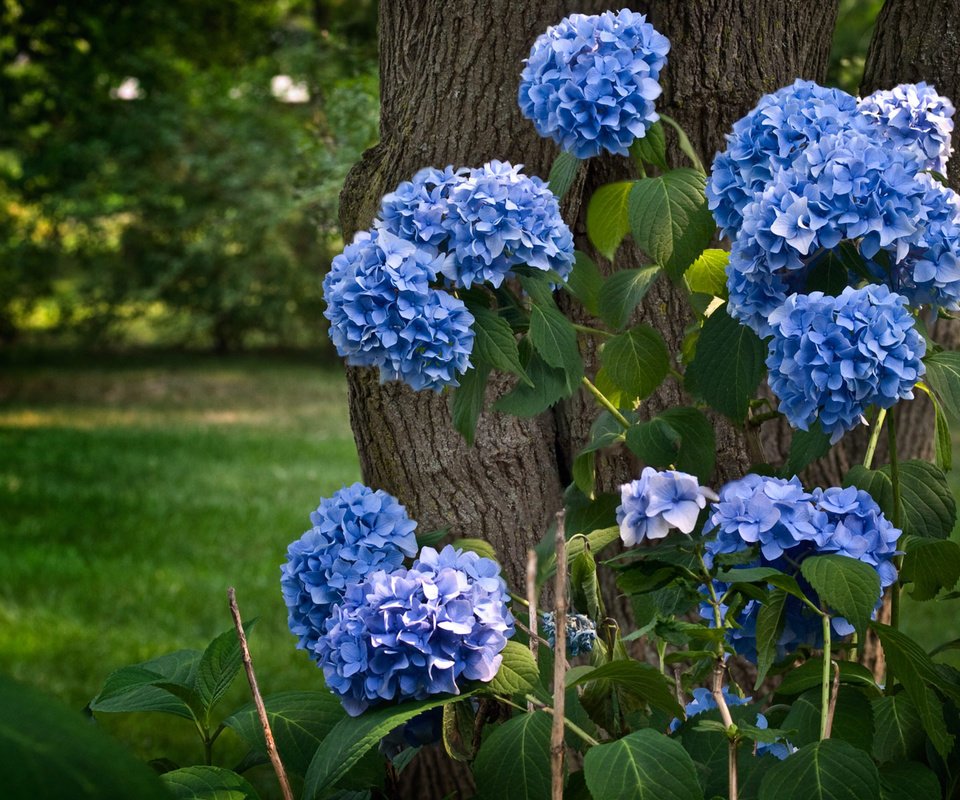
x: 449, y: 74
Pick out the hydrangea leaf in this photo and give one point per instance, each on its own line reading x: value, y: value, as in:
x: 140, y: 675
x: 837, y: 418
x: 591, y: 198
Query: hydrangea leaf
x: 584, y: 585
x: 931, y: 565
x: 770, y: 621
x: 636, y: 361
x: 604, y: 432
x: 458, y: 724
x: 549, y: 386
x: 831, y: 272
x: 852, y: 721
x: 908, y: 780
x: 898, y: 729
x: 805, y: 448
x: 827, y: 770
x: 707, y: 275
x: 205, y: 783
x: 943, y: 375
x: 727, y: 366
x: 585, y: 282
x: 943, y: 439
x: 918, y: 674
x: 644, y: 765
x: 133, y: 688
x: 514, y: 761
x: 607, y: 222
x: 622, y: 292
x: 466, y: 401
x: 518, y: 672
x: 218, y: 666
x: 681, y: 437
x: 481, y: 547
x: 810, y: 674
x: 563, y: 173
x: 849, y: 587
x: 299, y: 720
x: 651, y: 148
x: 555, y: 339
x: 495, y: 344
x: 585, y: 515
x: 641, y: 680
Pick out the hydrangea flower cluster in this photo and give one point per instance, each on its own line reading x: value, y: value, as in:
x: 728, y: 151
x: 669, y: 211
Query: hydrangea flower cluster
x: 590, y: 81
x: 384, y: 313
x: 581, y: 632
x: 831, y: 358
x: 789, y: 525
x: 378, y: 630
x: 483, y: 222
x: 356, y: 532
x: 658, y: 502
x: 704, y: 701
x: 412, y: 633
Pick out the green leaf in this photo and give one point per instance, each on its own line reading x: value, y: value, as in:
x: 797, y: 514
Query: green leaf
x: 585, y: 282
x: 563, y: 173
x: 622, y: 292
x: 466, y: 403
x: 942, y: 439
x: 584, y: 585
x: 898, y: 729
x: 636, y: 361
x: 805, y: 448
x: 638, y: 679
x: 495, y: 344
x: 555, y: 338
x: 669, y: 218
x: 604, y: 432
x: 518, y: 672
x: 682, y: 437
x: 931, y: 565
x: 51, y: 751
x: 133, y: 688
x: 207, y: 783
x: 607, y: 217
x: 908, y: 780
x: 457, y: 727
x: 728, y: 365
x: 299, y: 721
x: 514, y: 760
x: 708, y: 275
x: 831, y: 272
x: 354, y: 737
x: 549, y: 386
x: 644, y: 765
x: 852, y: 722
x: 810, y: 673
x: 943, y: 376
x: 651, y: 148
x: 917, y: 673
x: 770, y: 620
x: 848, y: 586
x: 219, y: 665
x: 481, y: 547
x: 827, y: 770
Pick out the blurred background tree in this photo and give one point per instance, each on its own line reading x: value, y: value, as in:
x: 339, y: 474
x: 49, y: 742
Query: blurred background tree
x: 169, y: 171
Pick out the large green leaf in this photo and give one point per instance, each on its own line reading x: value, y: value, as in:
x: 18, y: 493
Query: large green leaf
x: 636, y: 361
x: 931, y: 565
x: 641, y: 680
x: 518, y: 672
x: 708, y: 274
x: 682, y: 437
x: 898, y: 729
x: 607, y: 222
x: 770, y: 621
x: 49, y: 751
x: 495, y: 344
x: 846, y: 585
x: 299, y: 720
x: 132, y: 689
x: 514, y: 760
x: 354, y: 737
x: 651, y: 147
x: 466, y: 402
x: 943, y: 375
x: 852, y: 721
x: 585, y: 586
x: 810, y: 674
x: 622, y: 292
x: 555, y: 338
x: 908, y: 780
x: 563, y: 173
x: 585, y: 282
x: 549, y: 386
x: 827, y: 770
x: 728, y: 364
x: 218, y: 666
x: 208, y: 783
x: 644, y: 765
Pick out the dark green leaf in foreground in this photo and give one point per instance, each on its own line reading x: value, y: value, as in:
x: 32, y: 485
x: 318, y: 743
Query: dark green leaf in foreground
x: 827, y: 770
x: 514, y: 760
x: 208, y: 783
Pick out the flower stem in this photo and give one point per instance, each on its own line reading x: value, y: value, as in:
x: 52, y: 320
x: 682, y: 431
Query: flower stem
x: 592, y: 331
x: 605, y: 402
x: 825, y: 680
x: 897, y: 523
x: 685, y: 145
x: 874, y: 437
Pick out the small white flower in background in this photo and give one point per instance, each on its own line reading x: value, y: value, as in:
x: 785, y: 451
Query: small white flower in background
x: 129, y: 89
x: 659, y: 502
x: 286, y: 90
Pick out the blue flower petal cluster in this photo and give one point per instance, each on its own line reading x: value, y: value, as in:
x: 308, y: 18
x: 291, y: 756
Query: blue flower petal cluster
x: 482, y: 222
x: 658, y: 502
x: 412, y: 633
x: 383, y: 312
x: 915, y: 117
x: 831, y: 358
x: 356, y: 532
x: 581, y: 632
x: 590, y: 81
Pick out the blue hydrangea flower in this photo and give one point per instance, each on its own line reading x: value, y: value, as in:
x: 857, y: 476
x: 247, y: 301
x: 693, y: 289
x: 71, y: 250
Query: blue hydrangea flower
x: 659, y: 502
x: 412, y: 633
x: 482, y: 222
x: 915, y: 117
x: 590, y: 81
x: 767, y: 139
x: 581, y: 632
x: 354, y: 533
x: 831, y: 358
x: 383, y: 312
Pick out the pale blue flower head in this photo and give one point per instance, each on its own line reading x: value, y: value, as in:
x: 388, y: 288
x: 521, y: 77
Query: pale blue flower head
x: 591, y: 81
x: 659, y: 502
x: 355, y: 532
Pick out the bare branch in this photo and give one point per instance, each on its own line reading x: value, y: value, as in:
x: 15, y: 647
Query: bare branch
x: 559, y: 671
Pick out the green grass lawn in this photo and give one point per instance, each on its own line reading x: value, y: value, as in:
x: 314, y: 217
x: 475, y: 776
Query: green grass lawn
x: 132, y: 496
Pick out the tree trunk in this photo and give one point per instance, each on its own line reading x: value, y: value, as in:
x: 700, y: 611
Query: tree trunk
x: 449, y: 77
